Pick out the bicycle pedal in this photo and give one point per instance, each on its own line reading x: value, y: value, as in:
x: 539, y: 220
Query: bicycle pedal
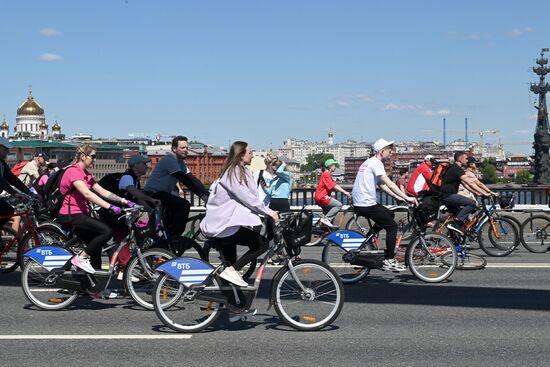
x: 243, y: 316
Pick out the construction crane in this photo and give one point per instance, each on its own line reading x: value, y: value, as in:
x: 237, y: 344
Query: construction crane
x: 481, y: 133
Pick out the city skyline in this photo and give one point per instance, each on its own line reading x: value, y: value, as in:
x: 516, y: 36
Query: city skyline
x: 218, y: 71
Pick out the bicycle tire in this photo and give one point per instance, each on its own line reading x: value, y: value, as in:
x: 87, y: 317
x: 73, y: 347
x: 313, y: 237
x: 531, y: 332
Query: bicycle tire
x: 309, y: 272
x: 404, y: 225
x: 507, y: 241
x: 141, y: 291
x: 427, y: 264
x: 181, y: 245
x: 468, y: 261
x: 347, y: 273
x: 34, y: 274
x: 535, y: 234
x: 47, y: 234
x: 355, y: 225
x: 167, y: 311
x: 9, y: 259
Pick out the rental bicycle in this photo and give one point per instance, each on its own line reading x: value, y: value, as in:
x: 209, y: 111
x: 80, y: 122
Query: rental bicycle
x: 307, y: 294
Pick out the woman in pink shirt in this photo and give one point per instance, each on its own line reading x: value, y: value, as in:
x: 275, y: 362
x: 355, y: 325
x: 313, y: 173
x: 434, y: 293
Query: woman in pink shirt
x: 77, y: 185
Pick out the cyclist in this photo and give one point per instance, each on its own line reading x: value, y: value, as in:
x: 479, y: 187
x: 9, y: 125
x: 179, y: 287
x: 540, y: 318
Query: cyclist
x: 449, y: 197
x: 33, y: 169
x: 421, y: 176
x: 232, y: 213
x: 162, y: 183
x: 8, y: 181
x: 76, y: 186
x: 371, y: 175
x: 328, y: 204
x: 265, y: 176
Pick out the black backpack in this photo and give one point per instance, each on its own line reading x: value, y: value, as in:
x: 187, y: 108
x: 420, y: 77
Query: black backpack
x: 53, y: 199
x: 110, y: 182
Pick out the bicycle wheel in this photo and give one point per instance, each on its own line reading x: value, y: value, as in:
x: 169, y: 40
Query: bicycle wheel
x: 498, y: 237
x: 361, y: 224
x: 39, y: 286
x: 535, y: 232
x: 46, y: 234
x: 315, y: 306
x: 426, y: 261
x: 180, y: 311
x: 180, y: 245
x: 403, y: 219
x: 143, y: 268
x: 8, y: 250
x: 467, y: 261
x: 333, y: 256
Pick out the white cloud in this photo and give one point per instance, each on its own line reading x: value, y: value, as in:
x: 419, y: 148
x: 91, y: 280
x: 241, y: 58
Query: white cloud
x: 364, y: 98
x: 50, y: 57
x: 342, y: 104
x: 518, y: 32
x: 470, y: 36
x: 402, y: 107
x: 435, y: 113
x: 50, y: 32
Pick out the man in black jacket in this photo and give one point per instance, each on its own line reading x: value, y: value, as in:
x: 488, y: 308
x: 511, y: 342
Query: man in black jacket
x: 162, y: 183
x: 8, y: 181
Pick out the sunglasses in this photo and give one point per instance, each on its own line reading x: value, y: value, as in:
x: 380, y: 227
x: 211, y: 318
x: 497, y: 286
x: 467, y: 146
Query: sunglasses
x: 93, y: 156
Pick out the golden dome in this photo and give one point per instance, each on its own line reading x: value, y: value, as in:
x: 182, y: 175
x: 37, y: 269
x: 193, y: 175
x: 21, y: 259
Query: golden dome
x: 43, y: 125
x: 4, y: 125
x: 30, y: 107
x: 56, y: 126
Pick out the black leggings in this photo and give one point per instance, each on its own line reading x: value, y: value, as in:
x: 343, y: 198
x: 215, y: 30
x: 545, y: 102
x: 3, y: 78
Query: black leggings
x: 279, y: 204
x: 93, y: 232
x: 175, y: 212
x: 243, y: 237
x: 383, y: 218
x: 5, y: 209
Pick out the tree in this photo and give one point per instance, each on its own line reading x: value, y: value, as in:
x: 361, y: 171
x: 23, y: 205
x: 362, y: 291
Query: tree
x: 523, y: 177
x: 315, y: 161
x: 489, y: 173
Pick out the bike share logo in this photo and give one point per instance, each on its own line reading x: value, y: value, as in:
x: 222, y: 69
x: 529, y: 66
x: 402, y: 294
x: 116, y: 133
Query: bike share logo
x: 342, y: 235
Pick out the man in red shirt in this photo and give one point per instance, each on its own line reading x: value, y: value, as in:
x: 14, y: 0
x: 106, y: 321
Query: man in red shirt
x: 328, y: 204
x: 421, y: 176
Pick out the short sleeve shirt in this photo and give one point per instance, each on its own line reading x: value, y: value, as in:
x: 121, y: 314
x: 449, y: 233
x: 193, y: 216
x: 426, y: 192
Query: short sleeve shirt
x: 127, y: 181
x: 162, y: 178
x: 325, y: 186
x: 28, y: 173
x: 73, y: 198
x: 451, y: 180
x: 368, y: 177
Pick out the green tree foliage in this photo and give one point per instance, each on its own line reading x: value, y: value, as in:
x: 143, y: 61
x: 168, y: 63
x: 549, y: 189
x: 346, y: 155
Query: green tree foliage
x: 489, y: 173
x: 523, y: 177
x: 315, y: 161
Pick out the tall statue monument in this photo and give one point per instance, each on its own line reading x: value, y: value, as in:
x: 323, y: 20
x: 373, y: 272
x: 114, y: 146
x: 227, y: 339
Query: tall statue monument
x: 542, y: 132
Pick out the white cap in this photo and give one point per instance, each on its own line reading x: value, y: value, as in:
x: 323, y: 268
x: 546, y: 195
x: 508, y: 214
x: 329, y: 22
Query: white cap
x: 5, y: 142
x: 381, y: 144
x: 429, y: 157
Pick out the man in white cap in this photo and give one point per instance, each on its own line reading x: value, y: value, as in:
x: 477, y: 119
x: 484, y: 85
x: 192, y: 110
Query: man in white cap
x: 421, y: 176
x: 8, y: 181
x: 372, y: 175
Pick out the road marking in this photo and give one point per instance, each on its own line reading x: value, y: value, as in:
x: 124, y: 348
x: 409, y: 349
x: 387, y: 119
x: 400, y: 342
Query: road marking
x: 88, y: 337
x: 518, y: 265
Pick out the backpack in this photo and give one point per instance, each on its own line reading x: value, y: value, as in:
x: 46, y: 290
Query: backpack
x: 437, y: 176
x: 53, y: 198
x: 16, y: 170
x: 110, y: 182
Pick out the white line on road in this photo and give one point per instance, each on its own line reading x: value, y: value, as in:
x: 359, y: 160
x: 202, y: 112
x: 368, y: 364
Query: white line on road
x: 518, y: 265
x: 87, y: 337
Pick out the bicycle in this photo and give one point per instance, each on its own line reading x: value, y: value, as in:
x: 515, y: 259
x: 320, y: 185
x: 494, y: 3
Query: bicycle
x: 30, y: 234
x: 50, y: 282
x: 535, y: 232
x: 306, y: 294
x: 497, y: 235
x: 353, y: 254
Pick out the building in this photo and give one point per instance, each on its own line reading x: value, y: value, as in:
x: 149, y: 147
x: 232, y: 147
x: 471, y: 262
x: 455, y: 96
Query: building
x: 31, y: 122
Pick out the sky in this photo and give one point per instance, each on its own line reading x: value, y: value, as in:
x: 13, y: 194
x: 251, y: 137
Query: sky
x: 265, y: 71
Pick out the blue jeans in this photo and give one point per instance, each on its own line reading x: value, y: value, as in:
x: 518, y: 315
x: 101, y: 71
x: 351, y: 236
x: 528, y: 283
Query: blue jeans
x: 457, y: 202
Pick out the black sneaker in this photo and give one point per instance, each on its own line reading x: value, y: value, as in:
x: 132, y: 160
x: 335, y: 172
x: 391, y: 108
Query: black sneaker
x: 456, y: 226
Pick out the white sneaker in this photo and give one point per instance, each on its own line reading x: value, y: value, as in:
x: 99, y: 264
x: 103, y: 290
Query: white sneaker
x: 393, y: 265
x: 83, y: 263
x: 327, y: 223
x: 120, y: 276
x: 233, y: 276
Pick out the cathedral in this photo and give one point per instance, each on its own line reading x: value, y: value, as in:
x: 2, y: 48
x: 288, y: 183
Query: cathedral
x: 31, y: 123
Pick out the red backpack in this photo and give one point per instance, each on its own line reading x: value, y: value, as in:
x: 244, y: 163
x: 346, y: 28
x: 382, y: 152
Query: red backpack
x: 16, y: 170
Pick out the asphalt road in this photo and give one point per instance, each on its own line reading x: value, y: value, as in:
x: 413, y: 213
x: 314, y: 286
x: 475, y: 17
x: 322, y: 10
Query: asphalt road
x: 499, y: 316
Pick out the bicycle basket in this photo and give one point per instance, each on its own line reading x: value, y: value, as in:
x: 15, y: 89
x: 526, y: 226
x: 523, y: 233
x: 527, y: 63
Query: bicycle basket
x: 506, y: 201
x: 298, y: 232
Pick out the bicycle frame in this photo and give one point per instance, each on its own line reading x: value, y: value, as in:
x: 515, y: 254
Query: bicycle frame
x: 27, y: 227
